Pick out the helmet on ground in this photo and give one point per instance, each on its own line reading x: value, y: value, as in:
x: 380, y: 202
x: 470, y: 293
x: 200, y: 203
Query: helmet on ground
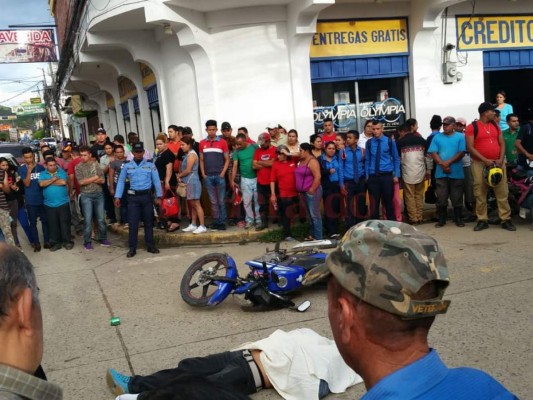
x: 237, y: 195
x: 492, y: 175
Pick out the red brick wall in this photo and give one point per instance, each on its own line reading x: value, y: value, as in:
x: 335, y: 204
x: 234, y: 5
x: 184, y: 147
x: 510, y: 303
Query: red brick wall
x: 63, y: 13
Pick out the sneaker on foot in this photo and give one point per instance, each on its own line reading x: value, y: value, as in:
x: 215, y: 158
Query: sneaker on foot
x: 241, y: 224
x: 117, y: 383
x: 289, y: 239
x: 249, y: 225
x: 190, y: 228
x: 522, y: 212
x: 200, y: 229
x: 69, y: 245
x: 105, y: 243
x: 88, y: 246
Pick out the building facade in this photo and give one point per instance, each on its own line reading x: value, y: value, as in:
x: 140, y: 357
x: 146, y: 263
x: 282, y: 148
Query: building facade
x: 142, y: 65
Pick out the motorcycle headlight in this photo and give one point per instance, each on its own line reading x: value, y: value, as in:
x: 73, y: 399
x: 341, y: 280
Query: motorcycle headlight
x: 282, y: 282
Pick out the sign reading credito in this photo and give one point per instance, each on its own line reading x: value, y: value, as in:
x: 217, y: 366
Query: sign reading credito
x: 356, y: 38
x: 485, y: 32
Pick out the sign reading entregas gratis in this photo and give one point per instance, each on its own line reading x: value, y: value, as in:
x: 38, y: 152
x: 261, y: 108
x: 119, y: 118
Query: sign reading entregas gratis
x: 356, y: 38
x: 485, y: 32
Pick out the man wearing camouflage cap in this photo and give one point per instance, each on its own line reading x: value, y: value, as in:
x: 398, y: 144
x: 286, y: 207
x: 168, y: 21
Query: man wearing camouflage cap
x: 386, y: 287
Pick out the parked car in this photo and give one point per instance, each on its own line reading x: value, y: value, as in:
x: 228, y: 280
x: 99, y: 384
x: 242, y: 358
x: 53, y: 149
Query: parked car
x: 15, y: 149
x: 51, y: 142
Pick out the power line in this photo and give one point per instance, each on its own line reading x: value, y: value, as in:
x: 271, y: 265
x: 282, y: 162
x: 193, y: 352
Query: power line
x: 21, y: 93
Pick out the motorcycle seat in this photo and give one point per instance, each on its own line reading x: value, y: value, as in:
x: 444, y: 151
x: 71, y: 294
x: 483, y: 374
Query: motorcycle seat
x: 306, y: 262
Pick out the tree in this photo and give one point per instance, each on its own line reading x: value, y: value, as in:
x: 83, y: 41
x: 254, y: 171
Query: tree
x: 5, y: 111
x: 38, y: 134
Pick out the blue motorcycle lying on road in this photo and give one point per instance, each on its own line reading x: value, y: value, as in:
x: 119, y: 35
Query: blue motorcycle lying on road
x: 272, y: 276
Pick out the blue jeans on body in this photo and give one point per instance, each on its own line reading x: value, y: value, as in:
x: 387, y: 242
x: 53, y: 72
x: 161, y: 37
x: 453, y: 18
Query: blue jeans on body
x: 35, y: 212
x: 312, y: 205
x: 92, y: 204
x: 249, y: 193
x: 216, y: 189
x: 24, y: 222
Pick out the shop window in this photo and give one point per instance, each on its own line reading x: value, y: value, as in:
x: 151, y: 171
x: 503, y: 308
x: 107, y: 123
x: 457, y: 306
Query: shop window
x: 351, y: 103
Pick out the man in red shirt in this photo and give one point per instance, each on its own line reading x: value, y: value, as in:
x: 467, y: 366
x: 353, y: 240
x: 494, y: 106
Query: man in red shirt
x: 174, y: 138
x: 329, y: 134
x: 264, y: 157
x: 282, y: 175
x: 74, y: 191
x: 487, y: 148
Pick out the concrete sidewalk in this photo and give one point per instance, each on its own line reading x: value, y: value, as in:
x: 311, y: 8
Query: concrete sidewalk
x: 488, y: 326
x: 232, y: 234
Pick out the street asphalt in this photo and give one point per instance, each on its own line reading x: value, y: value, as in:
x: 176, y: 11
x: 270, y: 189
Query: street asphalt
x: 488, y: 326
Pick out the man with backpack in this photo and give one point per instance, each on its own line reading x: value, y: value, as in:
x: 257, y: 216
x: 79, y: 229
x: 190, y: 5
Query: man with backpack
x: 484, y: 141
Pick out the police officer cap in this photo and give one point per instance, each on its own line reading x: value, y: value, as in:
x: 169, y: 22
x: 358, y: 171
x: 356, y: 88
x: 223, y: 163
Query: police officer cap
x: 138, y: 147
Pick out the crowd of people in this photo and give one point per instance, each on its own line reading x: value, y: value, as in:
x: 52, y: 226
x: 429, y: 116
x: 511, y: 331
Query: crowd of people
x: 380, y: 330
x: 251, y: 184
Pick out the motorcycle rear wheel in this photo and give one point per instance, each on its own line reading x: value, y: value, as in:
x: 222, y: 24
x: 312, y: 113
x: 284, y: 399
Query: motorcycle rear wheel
x: 197, y: 286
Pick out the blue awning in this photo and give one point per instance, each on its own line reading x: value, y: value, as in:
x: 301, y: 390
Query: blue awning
x: 354, y: 69
x: 496, y: 60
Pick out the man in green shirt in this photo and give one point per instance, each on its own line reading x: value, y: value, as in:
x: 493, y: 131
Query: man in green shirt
x: 242, y: 163
x: 509, y: 136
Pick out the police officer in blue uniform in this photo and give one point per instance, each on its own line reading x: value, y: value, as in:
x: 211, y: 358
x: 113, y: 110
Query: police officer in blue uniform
x: 142, y: 175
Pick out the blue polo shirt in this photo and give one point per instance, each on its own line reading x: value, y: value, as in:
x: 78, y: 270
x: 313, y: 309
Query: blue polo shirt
x: 54, y: 195
x: 429, y: 378
x: 446, y: 146
x: 33, y: 194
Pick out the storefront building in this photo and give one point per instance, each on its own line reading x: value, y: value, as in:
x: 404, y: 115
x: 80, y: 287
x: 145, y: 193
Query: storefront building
x: 294, y: 62
x: 359, y: 71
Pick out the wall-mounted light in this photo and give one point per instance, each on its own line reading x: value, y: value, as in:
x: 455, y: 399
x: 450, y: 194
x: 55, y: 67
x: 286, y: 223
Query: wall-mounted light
x: 167, y: 29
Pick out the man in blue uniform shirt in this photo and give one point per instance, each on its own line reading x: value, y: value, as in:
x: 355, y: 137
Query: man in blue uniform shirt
x: 382, y: 168
x: 352, y: 179
x: 386, y: 285
x: 142, y: 175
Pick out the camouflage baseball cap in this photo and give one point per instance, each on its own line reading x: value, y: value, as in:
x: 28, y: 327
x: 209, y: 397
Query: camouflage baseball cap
x: 385, y: 263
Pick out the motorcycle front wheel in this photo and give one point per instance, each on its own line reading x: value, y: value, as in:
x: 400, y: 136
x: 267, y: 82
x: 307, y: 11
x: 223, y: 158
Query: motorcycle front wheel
x: 197, y: 285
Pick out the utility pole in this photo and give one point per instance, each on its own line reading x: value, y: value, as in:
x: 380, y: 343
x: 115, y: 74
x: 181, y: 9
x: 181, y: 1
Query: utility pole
x: 46, y: 107
x: 58, y: 104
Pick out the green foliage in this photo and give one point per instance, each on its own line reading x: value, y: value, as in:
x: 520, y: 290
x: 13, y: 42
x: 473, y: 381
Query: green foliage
x: 4, y: 136
x: 38, y: 134
x: 27, y: 121
x: 5, y: 111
